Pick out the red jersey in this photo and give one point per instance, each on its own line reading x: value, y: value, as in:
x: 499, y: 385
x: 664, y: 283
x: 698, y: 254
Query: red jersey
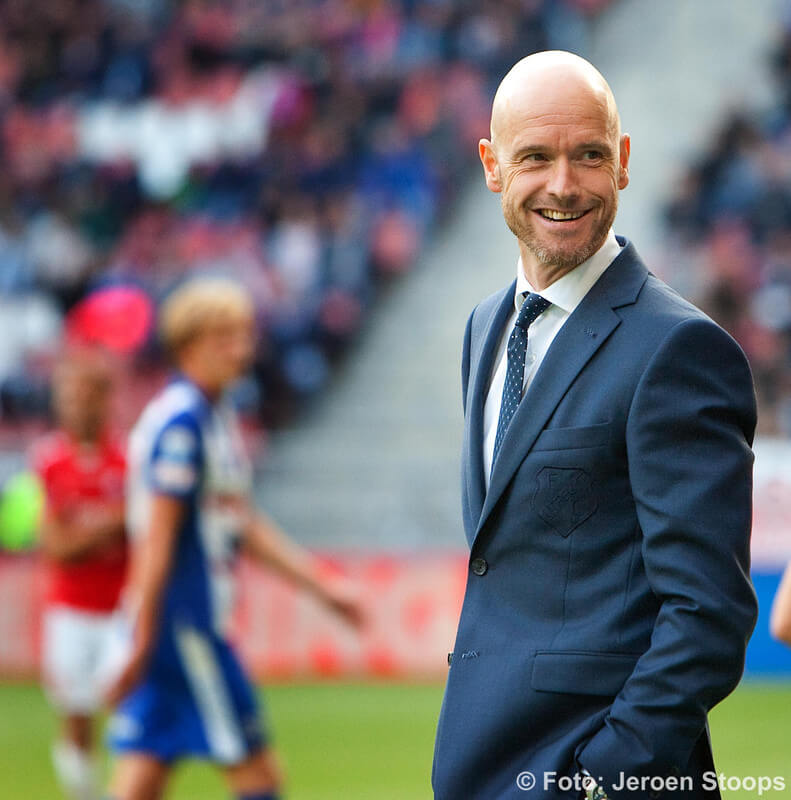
x: 78, y: 477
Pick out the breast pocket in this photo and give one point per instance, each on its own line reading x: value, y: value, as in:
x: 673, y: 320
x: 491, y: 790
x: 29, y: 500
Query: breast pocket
x: 565, y: 491
x: 577, y: 438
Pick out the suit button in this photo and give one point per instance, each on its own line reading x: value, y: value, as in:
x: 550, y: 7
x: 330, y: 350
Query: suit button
x: 479, y: 566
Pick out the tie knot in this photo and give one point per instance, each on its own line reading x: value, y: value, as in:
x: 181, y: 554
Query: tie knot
x: 531, y: 310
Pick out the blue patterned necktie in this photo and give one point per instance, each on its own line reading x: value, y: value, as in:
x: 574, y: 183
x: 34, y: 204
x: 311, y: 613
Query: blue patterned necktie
x: 533, y: 306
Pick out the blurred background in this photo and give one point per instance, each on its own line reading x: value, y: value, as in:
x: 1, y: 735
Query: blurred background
x: 324, y: 153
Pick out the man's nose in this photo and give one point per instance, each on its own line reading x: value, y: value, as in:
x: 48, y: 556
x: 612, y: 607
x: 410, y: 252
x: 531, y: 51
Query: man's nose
x: 561, y: 182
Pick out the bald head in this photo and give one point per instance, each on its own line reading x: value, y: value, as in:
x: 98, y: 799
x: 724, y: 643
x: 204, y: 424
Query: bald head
x: 558, y: 160
x: 555, y: 76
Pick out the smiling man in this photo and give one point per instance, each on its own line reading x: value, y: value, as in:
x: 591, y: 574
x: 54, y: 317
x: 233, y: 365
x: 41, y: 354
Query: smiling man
x: 606, y: 485
x: 558, y: 159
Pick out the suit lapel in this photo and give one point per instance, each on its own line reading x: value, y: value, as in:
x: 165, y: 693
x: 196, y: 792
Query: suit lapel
x: 583, y: 333
x: 481, y: 366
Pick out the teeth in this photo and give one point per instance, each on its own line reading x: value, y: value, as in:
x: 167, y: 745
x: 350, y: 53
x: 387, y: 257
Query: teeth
x: 548, y: 213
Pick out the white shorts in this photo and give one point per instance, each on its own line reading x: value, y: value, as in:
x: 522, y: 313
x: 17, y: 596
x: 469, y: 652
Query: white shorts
x: 78, y: 657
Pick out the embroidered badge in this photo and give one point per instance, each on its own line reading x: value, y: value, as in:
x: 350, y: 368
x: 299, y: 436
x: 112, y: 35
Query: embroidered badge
x: 564, y: 497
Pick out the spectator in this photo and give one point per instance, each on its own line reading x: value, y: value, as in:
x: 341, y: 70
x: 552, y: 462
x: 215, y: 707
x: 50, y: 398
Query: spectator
x: 303, y: 147
x: 733, y: 208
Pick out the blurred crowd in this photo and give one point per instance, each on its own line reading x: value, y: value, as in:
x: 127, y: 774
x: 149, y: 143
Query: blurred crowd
x: 307, y: 147
x: 731, y: 216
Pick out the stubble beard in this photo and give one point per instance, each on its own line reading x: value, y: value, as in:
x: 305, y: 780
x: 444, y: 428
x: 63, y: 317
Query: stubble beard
x: 562, y: 259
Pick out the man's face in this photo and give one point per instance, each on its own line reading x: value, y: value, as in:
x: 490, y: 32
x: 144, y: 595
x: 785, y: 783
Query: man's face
x: 226, y: 349
x: 82, y: 398
x: 560, y: 165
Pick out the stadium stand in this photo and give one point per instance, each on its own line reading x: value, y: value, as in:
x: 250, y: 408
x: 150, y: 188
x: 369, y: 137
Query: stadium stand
x: 306, y: 147
x: 732, y: 215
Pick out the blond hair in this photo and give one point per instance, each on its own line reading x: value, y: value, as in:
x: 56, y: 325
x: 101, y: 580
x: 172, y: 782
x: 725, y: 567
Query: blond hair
x: 198, y: 304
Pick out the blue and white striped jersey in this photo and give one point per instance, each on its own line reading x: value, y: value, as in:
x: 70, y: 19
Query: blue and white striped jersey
x: 185, y: 446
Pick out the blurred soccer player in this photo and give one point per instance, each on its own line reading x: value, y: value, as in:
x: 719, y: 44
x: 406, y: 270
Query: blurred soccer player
x: 183, y: 692
x: 81, y: 466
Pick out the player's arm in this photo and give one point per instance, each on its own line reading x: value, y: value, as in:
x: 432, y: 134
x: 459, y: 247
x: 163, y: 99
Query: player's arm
x: 71, y: 535
x: 153, y: 562
x: 266, y: 542
x: 780, y: 622
x: 173, y: 475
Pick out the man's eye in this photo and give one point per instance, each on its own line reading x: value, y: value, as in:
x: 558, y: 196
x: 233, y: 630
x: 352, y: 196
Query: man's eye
x: 592, y: 155
x: 535, y: 157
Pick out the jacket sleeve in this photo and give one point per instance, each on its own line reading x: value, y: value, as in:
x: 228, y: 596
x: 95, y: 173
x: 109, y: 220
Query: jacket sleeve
x: 689, y: 436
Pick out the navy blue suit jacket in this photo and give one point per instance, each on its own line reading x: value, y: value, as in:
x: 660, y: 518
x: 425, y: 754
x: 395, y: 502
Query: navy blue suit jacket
x: 608, y: 601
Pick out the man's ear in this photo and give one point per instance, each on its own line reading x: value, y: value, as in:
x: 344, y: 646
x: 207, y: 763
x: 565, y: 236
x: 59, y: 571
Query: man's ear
x: 491, y: 169
x: 623, y: 166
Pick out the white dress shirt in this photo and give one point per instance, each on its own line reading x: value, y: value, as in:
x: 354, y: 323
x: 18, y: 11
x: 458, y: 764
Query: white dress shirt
x: 565, y: 294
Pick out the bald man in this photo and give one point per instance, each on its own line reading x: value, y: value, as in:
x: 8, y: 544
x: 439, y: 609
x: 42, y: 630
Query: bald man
x: 606, y: 485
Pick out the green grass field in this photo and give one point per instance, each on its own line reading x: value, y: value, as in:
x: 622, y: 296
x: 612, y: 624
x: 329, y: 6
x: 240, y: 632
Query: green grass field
x: 372, y: 741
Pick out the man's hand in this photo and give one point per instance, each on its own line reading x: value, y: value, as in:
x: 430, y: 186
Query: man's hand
x: 342, y: 597
x: 128, y: 678
x: 592, y: 789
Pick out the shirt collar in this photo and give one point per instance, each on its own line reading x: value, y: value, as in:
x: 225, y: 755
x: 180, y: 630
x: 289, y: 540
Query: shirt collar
x: 567, y: 291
